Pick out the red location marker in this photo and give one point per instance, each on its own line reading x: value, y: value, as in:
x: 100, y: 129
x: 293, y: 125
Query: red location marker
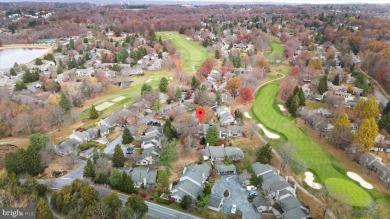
x: 200, y: 112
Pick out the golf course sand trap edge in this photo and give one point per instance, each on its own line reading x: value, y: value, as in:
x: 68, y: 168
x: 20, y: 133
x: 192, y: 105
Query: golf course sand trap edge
x: 118, y: 99
x: 282, y: 108
x: 268, y: 133
x: 309, y: 179
x: 246, y: 114
x: 104, y: 106
x: 360, y: 180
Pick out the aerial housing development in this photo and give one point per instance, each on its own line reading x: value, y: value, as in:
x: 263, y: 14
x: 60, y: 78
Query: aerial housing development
x: 154, y: 110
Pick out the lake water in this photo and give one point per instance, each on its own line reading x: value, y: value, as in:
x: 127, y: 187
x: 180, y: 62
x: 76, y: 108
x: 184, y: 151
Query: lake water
x: 21, y: 56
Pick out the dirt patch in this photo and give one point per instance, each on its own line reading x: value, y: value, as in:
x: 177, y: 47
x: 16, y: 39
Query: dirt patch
x: 7, y: 148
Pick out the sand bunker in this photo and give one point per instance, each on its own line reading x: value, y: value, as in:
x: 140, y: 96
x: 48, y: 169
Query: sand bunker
x: 187, y: 38
x: 267, y: 133
x: 360, y: 180
x: 310, y: 181
x: 246, y: 114
x: 282, y: 108
x: 118, y: 99
x: 104, y: 106
x: 148, y: 81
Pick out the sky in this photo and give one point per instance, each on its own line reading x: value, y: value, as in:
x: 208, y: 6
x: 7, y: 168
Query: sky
x: 217, y: 1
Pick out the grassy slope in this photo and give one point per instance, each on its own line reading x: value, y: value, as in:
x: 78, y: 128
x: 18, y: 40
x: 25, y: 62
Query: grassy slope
x: 314, y: 156
x: 276, y: 50
x: 191, y: 53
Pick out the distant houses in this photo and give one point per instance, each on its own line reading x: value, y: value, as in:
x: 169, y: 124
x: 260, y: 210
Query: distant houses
x: 218, y: 153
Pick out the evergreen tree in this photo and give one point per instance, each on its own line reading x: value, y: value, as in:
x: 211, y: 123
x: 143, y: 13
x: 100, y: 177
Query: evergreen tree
x: 194, y: 83
x: 65, y: 103
x: 128, y: 184
x: 38, y: 141
x: 127, y: 137
x: 186, y: 202
x: 336, y: 80
x: 212, y: 135
x: 301, y: 96
x: 217, y: 54
x: 264, y: 154
x: 138, y: 205
x: 384, y: 122
x: 294, y: 106
x: 218, y: 98
x: 386, y: 110
x: 323, y: 85
x: 163, y: 86
x: 42, y: 210
x: 169, y: 131
x: 33, y: 162
x: 157, y: 105
x: 178, y: 94
x: 146, y: 87
x: 20, y: 85
x: 118, y: 159
x: 12, y: 72
x: 93, y: 113
x: 89, y: 170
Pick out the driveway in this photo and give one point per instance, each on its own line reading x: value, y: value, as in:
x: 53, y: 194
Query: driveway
x: 238, y: 196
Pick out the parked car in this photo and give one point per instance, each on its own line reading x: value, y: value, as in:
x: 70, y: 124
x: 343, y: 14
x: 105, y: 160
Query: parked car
x: 251, y: 188
x: 234, y: 209
x: 253, y: 194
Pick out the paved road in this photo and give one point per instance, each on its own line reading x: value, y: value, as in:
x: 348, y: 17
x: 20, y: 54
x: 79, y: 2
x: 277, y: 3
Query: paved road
x: 155, y: 210
x: 238, y: 196
x: 109, y: 149
x: 77, y: 173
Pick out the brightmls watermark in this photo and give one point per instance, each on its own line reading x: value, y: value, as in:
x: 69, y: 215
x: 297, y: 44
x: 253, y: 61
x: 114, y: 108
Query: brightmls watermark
x: 22, y: 213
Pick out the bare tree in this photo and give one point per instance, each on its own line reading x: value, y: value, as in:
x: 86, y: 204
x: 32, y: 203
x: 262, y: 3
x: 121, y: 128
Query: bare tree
x: 101, y: 210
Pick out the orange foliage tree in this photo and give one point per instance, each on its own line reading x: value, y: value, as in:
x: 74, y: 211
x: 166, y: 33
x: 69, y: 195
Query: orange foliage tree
x: 246, y: 94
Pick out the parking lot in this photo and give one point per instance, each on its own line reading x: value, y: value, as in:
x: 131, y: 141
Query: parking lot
x: 238, y: 196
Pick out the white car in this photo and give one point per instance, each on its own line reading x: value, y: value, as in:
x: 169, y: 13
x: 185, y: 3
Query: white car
x: 251, y: 188
x: 234, y: 209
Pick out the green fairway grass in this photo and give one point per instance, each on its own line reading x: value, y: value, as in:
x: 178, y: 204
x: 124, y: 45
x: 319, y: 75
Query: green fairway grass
x: 191, y: 53
x: 342, y: 188
x: 277, y: 50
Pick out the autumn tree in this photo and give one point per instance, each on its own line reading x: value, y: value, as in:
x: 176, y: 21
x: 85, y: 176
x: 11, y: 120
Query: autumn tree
x: 42, y: 210
x: 341, y: 130
x: 233, y: 84
x: 118, y: 159
x: 366, y: 109
x: 127, y: 137
x: 366, y: 133
x: 246, y: 94
x: 93, y: 113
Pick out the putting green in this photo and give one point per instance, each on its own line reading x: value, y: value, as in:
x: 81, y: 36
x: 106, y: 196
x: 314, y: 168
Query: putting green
x: 347, y: 192
x: 192, y: 53
x: 266, y: 111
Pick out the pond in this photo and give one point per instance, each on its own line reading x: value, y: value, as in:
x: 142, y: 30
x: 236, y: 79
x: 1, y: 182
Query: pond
x: 20, y: 55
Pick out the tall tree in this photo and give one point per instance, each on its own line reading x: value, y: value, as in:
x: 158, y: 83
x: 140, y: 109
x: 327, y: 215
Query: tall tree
x: 194, y: 82
x: 118, y: 159
x: 217, y: 54
x: 246, y: 94
x: 138, y: 205
x: 264, y: 154
x: 89, y: 170
x: 386, y: 110
x: 38, y: 141
x: 169, y: 153
x: 33, y: 162
x: 65, y: 103
x: 218, y: 98
x: 127, y: 137
x: 42, y: 210
x: 323, y: 85
x: 384, y: 122
x: 366, y: 133
x: 233, y: 84
x: 212, y: 135
x: 343, y: 121
x: 178, y: 94
x: 169, y: 131
x: 186, y: 202
x: 93, y: 113
x: 336, y: 80
x: 366, y: 109
x: 163, y: 86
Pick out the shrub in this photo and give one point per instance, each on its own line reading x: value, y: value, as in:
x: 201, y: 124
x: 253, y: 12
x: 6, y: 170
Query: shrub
x: 162, y: 201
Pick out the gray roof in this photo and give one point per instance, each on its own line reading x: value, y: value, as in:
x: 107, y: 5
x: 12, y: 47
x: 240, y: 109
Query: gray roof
x: 225, y: 168
x: 295, y: 213
x: 368, y: 158
x: 215, y: 201
x: 244, y: 177
x: 260, y: 201
x: 190, y: 188
x: 139, y: 173
x: 220, y: 152
x: 290, y: 203
x: 261, y: 169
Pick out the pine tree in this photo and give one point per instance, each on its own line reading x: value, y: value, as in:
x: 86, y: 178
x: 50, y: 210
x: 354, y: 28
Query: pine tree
x: 178, y: 94
x: 294, y: 106
x: 386, y: 110
x: 93, y: 113
x: 384, y: 123
x: 118, y: 159
x: 323, y: 85
x: 157, y: 105
x: 42, y: 210
x: 33, y: 162
x: 218, y: 98
x: 186, y: 202
x: 169, y: 131
x: 264, y: 154
x: 212, y: 135
x: 302, y: 98
x: 163, y: 86
x: 65, y: 103
x: 89, y: 170
x: 194, y: 83
x: 336, y: 80
x: 217, y: 54
x: 127, y: 137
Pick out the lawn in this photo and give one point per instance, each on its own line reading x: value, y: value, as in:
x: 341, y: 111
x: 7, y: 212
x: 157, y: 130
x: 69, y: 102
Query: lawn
x: 276, y: 51
x: 315, y: 158
x: 191, y: 53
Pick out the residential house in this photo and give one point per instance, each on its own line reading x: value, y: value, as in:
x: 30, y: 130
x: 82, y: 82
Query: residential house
x: 244, y: 179
x: 224, y: 132
x: 84, y: 136
x: 46, y: 65
x: 224, y: 115
x: 149, y: 156
x: 163, y: 98
x: 215, y: 153
x: 110, y: 74
x: 223, y: 169
x: 109, y: 122
x: 215, y: 203
x: 261, y: 204
x: 191, y: 182
x: 143, y: 176
x: 374, y: 163
x: 293, y: 208
x: 67, y: 147
x: 152, y: 138
x: 85, y: 72
x: 87, y: 153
